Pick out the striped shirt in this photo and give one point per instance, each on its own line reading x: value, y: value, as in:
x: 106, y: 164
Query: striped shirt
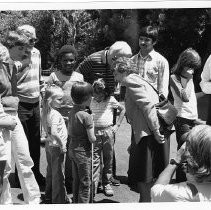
x: 103, y: 111
x: 29, y: 79
x: 93, y: 68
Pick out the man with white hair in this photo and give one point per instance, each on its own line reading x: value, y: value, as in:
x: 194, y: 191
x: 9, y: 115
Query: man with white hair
x: 29, y: 85
x: 97, y: 65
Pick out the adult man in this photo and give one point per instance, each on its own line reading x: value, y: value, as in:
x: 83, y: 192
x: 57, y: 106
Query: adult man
x: 28, y: 88
x: 98, y: 64
x: 152, y: 65
x: 206, y: 85
x: 154, y: 68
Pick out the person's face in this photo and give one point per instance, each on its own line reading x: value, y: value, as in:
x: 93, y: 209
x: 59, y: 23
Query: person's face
x: 32, y: 41
x: 113, y: 56
x: 57, y: 101
x: 119, y: 77
x: 67, y: 62
x: 146, y: 43
x: 18, y: 53
x: 187, y: 72
x: 99, y: 96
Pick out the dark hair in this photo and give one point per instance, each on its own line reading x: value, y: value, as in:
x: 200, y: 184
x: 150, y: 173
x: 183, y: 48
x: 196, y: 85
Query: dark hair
x: 100, y: 86
x: 188, y: 58
x: 81, y: 92
x: 149, y: 31
x: 67, y: 49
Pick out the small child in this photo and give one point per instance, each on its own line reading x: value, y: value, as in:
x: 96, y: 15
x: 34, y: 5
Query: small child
x: 102, y: 106
x: 81, y: 132
x: 183, y: 91
x: 55, y: 128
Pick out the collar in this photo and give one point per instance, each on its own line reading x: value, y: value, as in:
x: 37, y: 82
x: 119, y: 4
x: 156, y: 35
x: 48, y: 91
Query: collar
x: 149, y: 56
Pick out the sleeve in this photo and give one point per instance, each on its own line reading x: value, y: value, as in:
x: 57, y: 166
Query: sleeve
x: 159, y: 193
x: 206, y: 77
x: 114, y: 103
x: 85, y: 69
x: 87, y: 120
x: 139, y: 95
x: 163, y: 77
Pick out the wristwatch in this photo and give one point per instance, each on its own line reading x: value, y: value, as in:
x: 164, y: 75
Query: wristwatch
x: 174, y: 162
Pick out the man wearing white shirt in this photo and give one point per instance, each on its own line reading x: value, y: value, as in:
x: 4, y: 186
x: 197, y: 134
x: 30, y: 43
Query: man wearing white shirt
x: 152, y: 66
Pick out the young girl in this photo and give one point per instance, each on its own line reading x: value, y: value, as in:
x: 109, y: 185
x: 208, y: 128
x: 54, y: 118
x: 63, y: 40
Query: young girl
x: 81, y: 132
x: 55, y: 128
x: 182, y: 88
x: 102, y: 106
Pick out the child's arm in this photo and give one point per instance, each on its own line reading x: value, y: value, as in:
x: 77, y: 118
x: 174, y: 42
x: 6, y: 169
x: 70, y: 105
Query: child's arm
x: 8, y: 123
x: 91, y: 134
x: 121, y: 109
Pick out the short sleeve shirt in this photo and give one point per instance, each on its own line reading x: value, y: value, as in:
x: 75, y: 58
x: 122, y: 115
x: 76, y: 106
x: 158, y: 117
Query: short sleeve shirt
x: 79, y: 121
x: 56, y: 119
x: 103, y: 111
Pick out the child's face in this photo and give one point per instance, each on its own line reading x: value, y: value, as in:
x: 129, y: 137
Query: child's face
x: 67, y: 62
x: 99, y: 96
x: 57, y: 101
x: 187, y: 72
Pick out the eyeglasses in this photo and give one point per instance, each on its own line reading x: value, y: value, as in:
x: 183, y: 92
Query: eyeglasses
x: 33, y: 40
x: 114, y: 58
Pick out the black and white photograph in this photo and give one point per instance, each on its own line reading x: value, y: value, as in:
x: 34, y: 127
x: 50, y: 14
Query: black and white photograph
x: 105, y: 102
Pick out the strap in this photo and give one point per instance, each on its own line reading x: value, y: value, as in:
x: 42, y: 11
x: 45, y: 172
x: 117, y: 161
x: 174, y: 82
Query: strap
x: 194, y: 191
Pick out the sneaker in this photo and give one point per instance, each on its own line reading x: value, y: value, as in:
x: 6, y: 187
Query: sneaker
x: 115, y: 182
x: 108, y: 191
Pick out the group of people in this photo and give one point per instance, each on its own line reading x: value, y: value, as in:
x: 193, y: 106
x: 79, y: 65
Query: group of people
x: 80, y: 115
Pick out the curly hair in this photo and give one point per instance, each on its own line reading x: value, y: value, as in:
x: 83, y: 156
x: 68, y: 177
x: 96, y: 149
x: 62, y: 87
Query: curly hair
x: 198, y: 155
x: 124, y: 64
x: 188, y: 58
x: 100, y: 86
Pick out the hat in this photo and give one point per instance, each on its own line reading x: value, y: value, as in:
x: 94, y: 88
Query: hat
x: 67, y: 49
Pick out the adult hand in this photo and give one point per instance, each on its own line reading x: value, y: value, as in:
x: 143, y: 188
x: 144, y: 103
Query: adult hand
x: 159, y: 137
x: 10, y: 123
x: 180, y: 153
x: 10, y: 101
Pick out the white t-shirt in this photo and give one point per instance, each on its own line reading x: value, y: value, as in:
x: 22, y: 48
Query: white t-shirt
x: 180, y: 192
x: 103, y: 111
x: 55, y: 118
x: 185, y: 109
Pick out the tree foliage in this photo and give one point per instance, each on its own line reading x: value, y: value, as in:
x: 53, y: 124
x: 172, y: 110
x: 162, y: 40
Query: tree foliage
x: 93, y: 30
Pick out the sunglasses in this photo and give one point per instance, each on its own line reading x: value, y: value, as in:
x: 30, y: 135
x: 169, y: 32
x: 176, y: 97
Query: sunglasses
x: 33, y: 40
